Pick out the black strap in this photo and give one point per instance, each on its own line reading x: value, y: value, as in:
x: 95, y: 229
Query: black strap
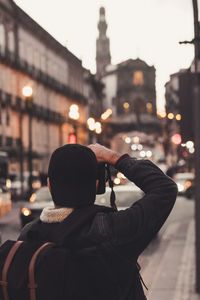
x: 140, y: 276
x: 112, y: 195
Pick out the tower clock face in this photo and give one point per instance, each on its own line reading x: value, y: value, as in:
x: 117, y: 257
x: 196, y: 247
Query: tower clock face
x: 138, y: 78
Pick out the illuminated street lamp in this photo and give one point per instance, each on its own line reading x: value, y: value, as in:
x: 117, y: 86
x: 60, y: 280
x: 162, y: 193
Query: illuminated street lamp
x: 74, y: 115
x: 98, y: 128
x: 170, y: 116
x: 91, y: 124
x: 95, y: 127
x: 74, y: 112
x: 106, y: 114
x: 27, y: 92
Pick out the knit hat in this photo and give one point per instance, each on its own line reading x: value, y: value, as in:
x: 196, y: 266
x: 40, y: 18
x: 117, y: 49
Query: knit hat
x: 72, y: 174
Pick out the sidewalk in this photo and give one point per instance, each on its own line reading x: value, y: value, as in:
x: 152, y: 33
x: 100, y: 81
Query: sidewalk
x: 170, y: 272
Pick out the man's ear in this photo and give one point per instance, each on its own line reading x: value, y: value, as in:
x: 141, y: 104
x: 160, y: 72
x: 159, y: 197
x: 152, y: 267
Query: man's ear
x: 49, y: 184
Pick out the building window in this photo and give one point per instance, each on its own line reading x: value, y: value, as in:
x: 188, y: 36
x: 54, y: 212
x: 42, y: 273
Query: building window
x: 30, y: 56
x: 9, y: 141
x: 43, y: 63
x: 138, y: 78
x: 55, y: 71
x: 36, y: 60
x: 11, y: 41
x: 49, y: 67
x: 7, y: 117
x: 2, y: 38
x: 22, y: 50
x: 18, y: 142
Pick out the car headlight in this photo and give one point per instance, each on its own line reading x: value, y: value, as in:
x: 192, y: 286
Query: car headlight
x: 180, y: 187
x: 117, y: 181
x: 188, y: 184
x: 26, y: 211
x: 32, y: 198
x: 8, y: 183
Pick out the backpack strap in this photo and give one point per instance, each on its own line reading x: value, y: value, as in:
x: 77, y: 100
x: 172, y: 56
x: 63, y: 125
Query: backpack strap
x: 31, y: 270
x: 8, y: 261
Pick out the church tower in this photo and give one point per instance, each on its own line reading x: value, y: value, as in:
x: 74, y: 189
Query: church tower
x: 103, y: 57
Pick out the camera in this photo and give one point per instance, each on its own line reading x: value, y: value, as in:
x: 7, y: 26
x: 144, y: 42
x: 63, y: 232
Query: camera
x: 101, y: 176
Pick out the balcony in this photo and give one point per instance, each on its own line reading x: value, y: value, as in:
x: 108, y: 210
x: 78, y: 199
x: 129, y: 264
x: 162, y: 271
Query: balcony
x: 12, y: 60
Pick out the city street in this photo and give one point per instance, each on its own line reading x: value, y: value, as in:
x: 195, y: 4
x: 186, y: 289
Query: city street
x: 169, y: 267
x: 136, y: 93
x: 167, y: 264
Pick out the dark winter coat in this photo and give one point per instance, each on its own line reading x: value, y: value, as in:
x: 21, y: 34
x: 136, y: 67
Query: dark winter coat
x: 128, y: 232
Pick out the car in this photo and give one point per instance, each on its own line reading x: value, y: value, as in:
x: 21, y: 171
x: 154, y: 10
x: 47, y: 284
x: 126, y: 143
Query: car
x: 16, y: 185
x: 126, y: 195
x: 33, y: 208
x: 5, y: 202
x: 184, y: 182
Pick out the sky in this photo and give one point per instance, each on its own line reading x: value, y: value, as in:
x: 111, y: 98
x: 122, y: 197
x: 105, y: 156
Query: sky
x: 148, y: 29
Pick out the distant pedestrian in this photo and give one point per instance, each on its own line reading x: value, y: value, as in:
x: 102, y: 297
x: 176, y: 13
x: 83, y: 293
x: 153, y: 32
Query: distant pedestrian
x: 104, y: 244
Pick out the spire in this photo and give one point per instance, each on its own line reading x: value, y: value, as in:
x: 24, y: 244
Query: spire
x: 103, y: 57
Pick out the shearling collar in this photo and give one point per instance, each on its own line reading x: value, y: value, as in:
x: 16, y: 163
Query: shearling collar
x: 55, y: 215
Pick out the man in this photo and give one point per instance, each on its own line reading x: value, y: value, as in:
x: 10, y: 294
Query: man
x: 121, y: 236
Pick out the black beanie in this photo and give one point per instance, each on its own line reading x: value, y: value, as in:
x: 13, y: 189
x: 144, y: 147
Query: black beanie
x: 72, y: 174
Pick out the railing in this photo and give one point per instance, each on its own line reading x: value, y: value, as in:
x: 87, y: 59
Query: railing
x: 10, y: 59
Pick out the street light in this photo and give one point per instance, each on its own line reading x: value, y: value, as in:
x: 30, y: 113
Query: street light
x: 74, y: 116
x: 27, y: 92
x: 93, y: 126
x: 74, y: 112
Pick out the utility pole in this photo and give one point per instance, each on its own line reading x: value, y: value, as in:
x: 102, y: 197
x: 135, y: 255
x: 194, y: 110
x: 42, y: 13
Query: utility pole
x: 196, y: 115
x: 196, y: 109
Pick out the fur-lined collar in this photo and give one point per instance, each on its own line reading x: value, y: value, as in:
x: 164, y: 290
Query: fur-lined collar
x: 55, y: 215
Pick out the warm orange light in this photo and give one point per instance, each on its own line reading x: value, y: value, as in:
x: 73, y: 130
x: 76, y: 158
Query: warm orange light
x: 74, y: 112
x: 106, y: 114
x: 149, y: 107
x: 178, y: 117
x: 27, y: 91
x: 162, y: 114
x: 170, y: 116
x: 126, y: 105
x: 26, y: 211
x: 98, y: 128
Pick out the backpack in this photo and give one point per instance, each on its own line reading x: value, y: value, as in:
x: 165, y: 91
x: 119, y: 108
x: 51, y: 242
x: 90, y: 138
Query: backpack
x: 52, y: 271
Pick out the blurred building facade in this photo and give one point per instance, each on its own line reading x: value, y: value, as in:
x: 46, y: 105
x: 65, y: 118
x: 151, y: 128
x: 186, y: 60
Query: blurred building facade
x: 179, y: 123
x: 103, y: 57
x: 31, y: 56
x: 179, y: 99
x: 129, y: 88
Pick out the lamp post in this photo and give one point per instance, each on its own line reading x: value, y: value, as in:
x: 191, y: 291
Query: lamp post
x: 196, y: 111
x: 196, y: 107
x: 27, y: 92
x: 74, y: 116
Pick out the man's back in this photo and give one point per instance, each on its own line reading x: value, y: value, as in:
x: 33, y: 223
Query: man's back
x: 120, y: 237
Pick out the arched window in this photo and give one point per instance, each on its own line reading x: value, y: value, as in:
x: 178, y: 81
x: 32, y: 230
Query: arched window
x: 11, y: 41
x: 2, y: 38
